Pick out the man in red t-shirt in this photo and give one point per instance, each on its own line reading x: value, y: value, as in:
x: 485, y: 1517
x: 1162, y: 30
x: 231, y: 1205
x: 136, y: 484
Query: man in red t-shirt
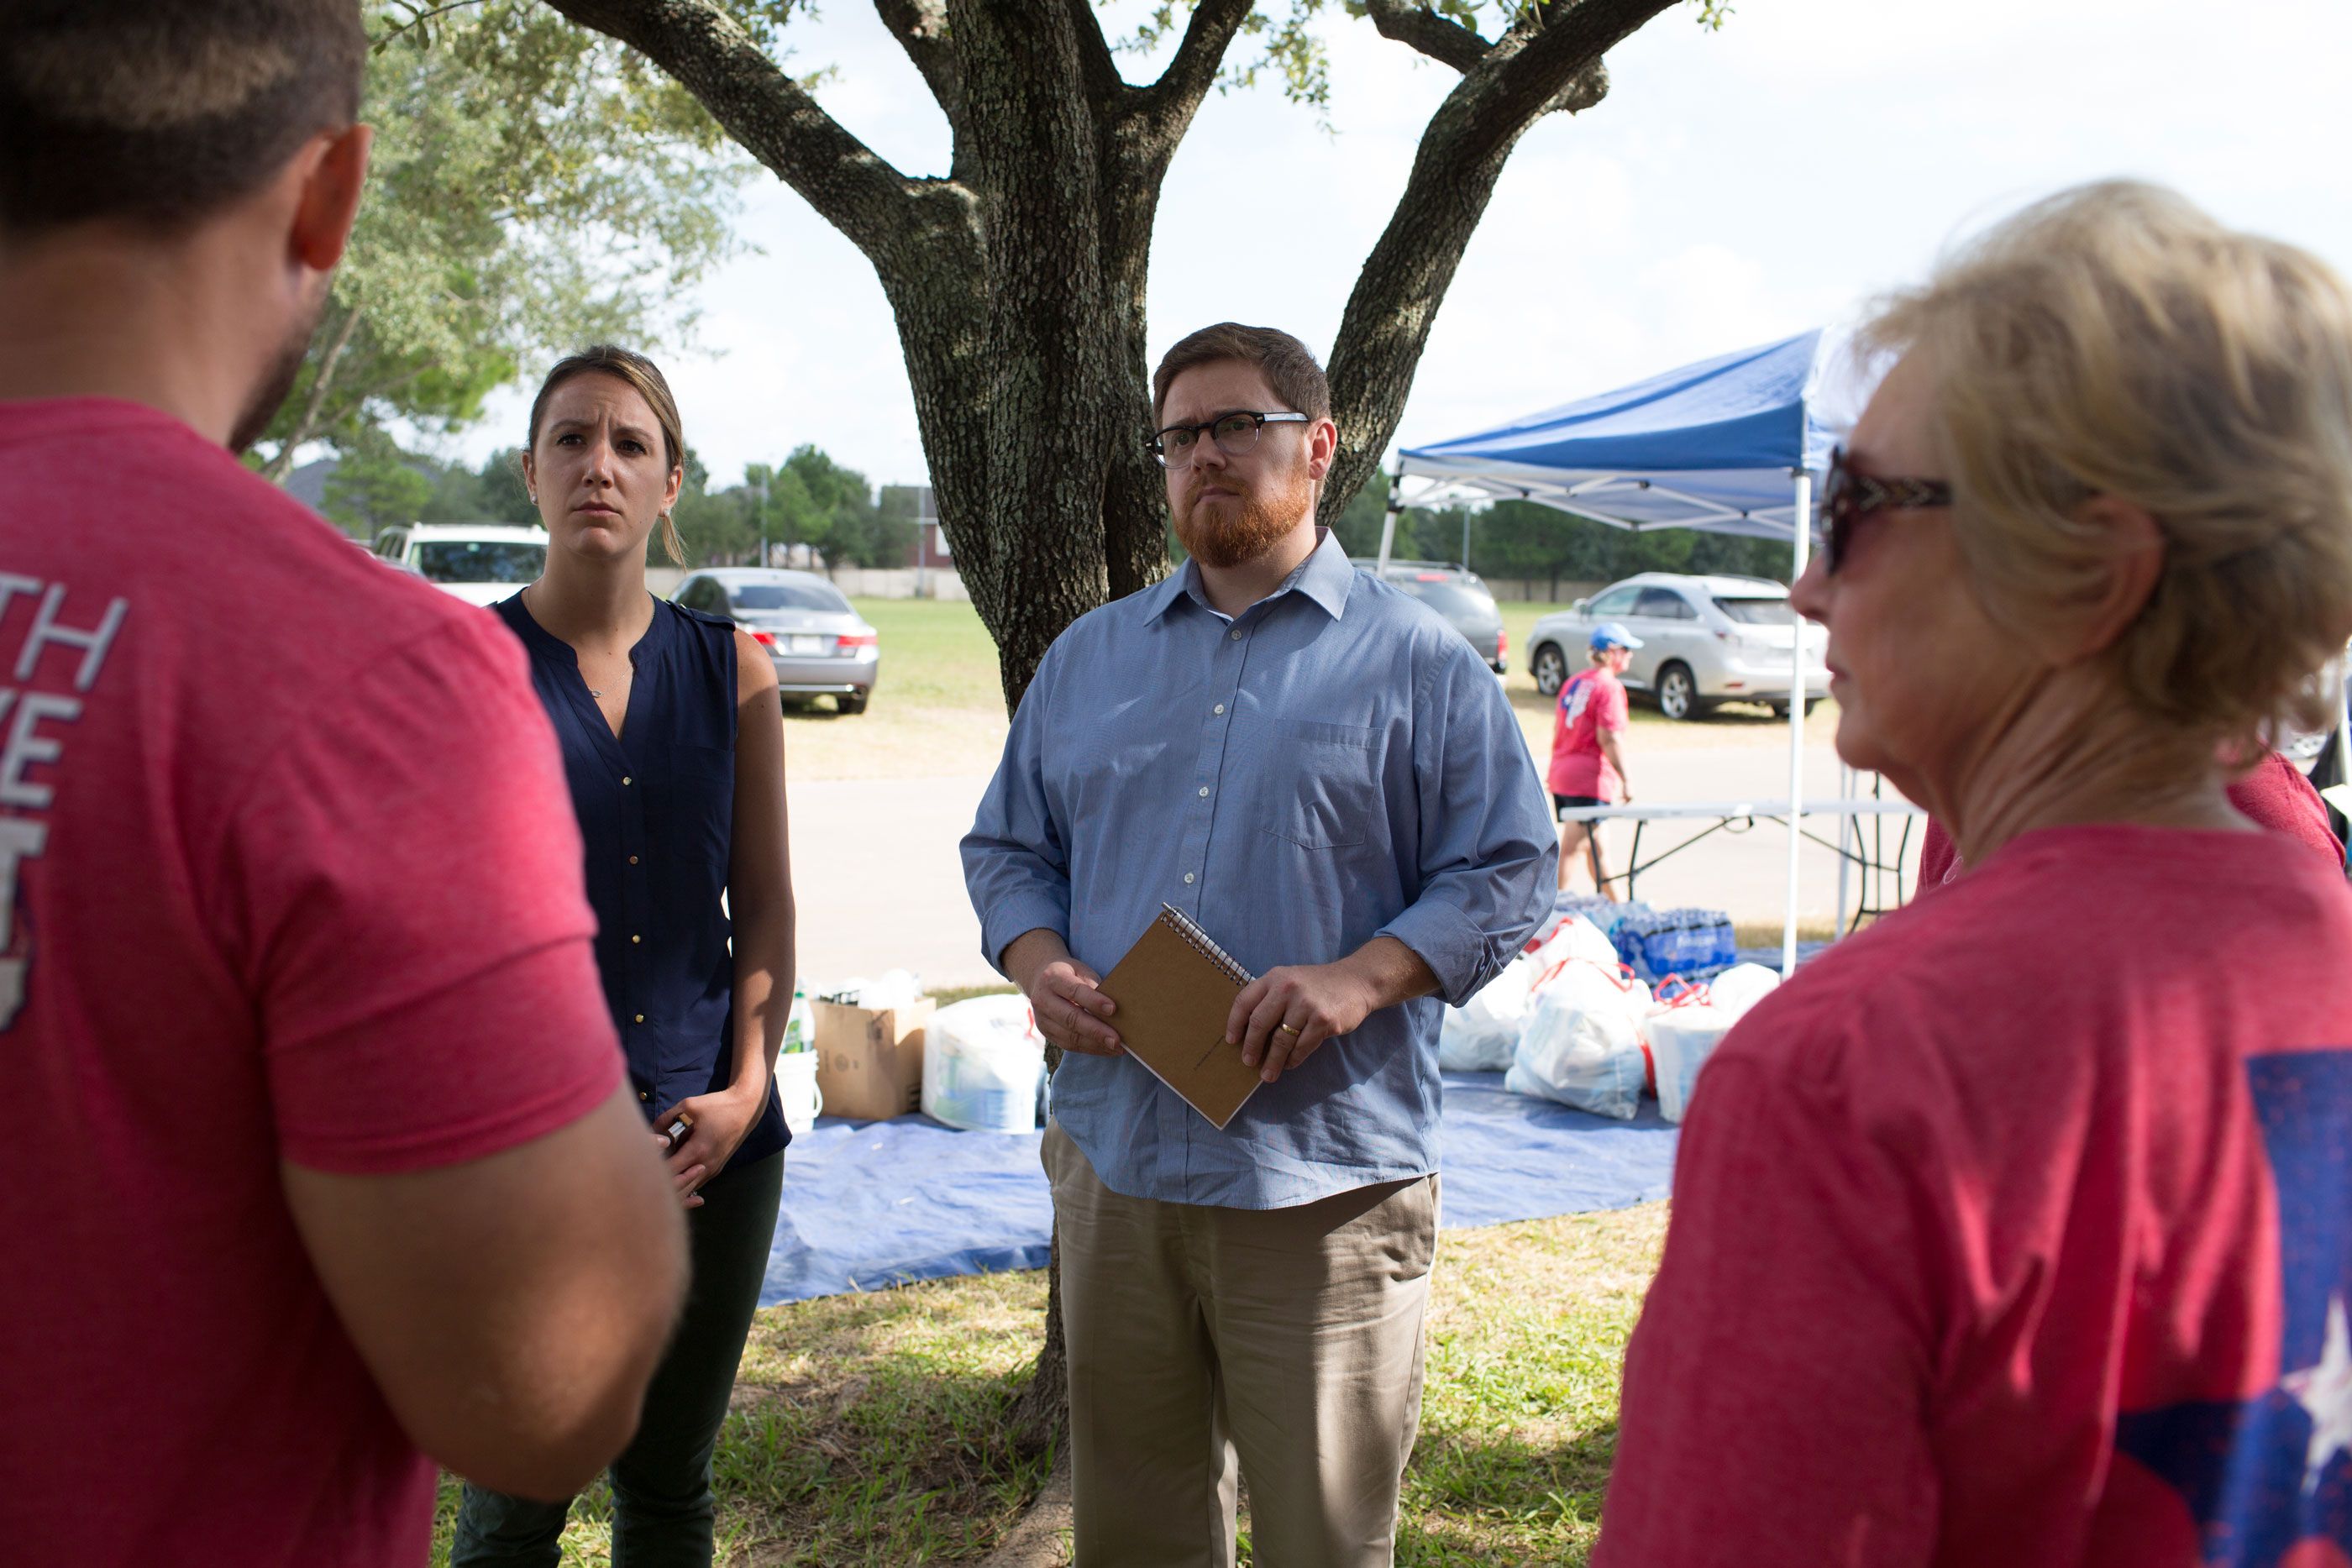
x: 322, y: 1154
x: 1587, y: 757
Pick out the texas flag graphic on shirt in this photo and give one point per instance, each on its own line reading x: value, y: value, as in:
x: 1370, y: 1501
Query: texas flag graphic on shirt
x: 2269, y: 1479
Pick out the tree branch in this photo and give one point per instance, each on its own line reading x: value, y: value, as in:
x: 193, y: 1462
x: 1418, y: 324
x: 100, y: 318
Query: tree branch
x: 1097, y: 71
x: 1165, y: 109
x: 769, y: 114
x: 1550, y: 61
x: 1446, y: 42
x: 921, y: 28
x: 282, y: 464
x: 1563, y: 43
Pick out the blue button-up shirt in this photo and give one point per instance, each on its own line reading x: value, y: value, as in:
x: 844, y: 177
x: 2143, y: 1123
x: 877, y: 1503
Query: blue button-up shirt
x: 1333, y: 765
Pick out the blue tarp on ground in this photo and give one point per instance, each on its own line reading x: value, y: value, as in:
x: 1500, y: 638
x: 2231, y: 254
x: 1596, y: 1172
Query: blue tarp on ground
x: 874, y: 1204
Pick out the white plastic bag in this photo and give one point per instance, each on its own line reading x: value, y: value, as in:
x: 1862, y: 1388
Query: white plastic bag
x: 984, y: 1062
x: 1579, y: 1045
x: 1478, y: 1036
x: 1574, y: 937
x: 1681, y: 1041
x: 1741, y: 987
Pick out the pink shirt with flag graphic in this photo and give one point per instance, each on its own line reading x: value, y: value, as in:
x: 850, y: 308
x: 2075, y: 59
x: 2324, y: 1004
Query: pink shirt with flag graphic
x: 2017, y: 1231
x: 1592, y: 701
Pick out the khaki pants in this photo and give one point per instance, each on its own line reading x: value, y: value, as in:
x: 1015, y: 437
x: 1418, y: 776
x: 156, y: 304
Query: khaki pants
x: 1289, y: 1338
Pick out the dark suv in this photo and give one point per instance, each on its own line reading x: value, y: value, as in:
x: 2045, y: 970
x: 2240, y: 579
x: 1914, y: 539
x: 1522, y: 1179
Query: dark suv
x: 1459, y: 596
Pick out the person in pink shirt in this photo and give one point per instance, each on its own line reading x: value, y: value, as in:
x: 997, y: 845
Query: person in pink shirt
x: 2272, y: 794
x: 323, y: 1168
x: 2016, y: 1231
x: 1587, y: 757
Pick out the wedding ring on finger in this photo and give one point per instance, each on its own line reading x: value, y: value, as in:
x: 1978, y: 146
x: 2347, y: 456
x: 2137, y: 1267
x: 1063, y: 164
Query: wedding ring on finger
x: 1291, y: 1029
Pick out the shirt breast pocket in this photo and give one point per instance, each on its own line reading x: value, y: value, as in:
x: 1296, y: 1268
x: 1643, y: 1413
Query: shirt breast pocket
x: 1323, y: 784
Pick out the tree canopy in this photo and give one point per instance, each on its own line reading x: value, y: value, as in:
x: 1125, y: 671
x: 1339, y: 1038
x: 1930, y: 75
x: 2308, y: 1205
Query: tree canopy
x: 1017, y: 274
x: 532, y: 188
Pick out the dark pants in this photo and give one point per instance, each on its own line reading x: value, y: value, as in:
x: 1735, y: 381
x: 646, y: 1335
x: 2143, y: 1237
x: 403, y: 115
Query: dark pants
x: 661, y: 1483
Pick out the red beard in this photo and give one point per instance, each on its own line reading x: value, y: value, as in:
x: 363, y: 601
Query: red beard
x: 1264, y: 521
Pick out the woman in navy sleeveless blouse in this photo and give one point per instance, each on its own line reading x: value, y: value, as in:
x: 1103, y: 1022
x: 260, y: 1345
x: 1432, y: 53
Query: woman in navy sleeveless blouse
x: 678, y: 804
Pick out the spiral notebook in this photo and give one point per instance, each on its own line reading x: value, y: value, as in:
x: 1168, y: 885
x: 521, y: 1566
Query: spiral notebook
x: 1175, y: 989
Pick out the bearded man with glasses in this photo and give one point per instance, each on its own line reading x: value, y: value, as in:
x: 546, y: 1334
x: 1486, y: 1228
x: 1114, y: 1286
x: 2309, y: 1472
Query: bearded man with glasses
x: 1320, y: 772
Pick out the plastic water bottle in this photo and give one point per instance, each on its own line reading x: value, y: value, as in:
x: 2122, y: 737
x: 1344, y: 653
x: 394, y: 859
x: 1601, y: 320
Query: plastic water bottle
x: 800, y: 1021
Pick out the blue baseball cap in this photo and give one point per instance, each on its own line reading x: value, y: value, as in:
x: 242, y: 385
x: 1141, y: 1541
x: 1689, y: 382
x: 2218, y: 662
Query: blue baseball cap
x: 1612, y: 634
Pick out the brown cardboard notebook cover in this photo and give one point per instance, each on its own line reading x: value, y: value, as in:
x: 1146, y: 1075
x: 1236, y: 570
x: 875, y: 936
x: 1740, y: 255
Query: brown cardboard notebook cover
x: 1174, y: 989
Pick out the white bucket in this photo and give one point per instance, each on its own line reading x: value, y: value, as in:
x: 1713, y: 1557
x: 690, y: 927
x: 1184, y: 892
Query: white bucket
x: 796, y: 1090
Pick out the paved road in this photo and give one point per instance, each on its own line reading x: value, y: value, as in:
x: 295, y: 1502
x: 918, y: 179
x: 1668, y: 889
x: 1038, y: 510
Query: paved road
x: 880, y: 887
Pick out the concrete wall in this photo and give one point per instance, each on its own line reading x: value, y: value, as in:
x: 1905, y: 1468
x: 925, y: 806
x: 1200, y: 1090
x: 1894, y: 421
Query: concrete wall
x: 1538, y: 590
x: 862, y: 582
x: 856, y: 581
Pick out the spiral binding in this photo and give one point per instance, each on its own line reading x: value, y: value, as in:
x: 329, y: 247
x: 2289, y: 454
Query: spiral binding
x: 1184, y: 925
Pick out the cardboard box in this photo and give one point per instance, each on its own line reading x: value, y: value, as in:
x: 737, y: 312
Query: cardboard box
x: 869, y: 1062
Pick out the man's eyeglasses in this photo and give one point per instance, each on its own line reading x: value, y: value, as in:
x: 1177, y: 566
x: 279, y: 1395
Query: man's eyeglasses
x: 1847, y: 497
x: 1235, y: 433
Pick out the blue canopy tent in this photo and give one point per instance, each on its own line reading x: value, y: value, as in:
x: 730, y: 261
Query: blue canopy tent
x: 1731, y: 444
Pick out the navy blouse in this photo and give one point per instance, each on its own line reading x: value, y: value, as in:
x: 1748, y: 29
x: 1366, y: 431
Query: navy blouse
x: 657, y: 810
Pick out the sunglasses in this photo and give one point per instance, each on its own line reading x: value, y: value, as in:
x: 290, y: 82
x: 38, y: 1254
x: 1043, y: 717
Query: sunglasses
x: 1847, y: 497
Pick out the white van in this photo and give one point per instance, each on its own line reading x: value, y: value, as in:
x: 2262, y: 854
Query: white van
x: 481, y: 563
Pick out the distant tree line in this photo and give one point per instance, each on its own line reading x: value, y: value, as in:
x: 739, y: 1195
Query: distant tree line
x: 807, y: 500
x: 1523, y: 539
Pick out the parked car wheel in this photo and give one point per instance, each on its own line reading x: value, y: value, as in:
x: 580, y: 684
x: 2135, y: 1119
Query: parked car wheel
x: 853, y: 705
x: 1677, y: 693
x: 1551, y: 670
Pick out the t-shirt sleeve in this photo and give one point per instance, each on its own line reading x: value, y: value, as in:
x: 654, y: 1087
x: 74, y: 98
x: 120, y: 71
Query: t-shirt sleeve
x: 1614, y: 714
x: 401, y: 894
x: 1774, y: 1395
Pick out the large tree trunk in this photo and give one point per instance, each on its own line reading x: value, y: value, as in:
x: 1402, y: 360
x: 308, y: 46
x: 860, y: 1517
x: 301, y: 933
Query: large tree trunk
x: 1019, y: 280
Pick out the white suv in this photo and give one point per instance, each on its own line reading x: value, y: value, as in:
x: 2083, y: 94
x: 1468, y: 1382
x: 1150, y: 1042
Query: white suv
x: 481, y: 563
x: 1704, y: 640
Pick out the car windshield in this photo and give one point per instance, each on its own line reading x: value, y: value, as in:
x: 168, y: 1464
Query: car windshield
x: 1452, y: 599
x: 1758, y: 612
x: 480, y: 560
x: 786, y: 596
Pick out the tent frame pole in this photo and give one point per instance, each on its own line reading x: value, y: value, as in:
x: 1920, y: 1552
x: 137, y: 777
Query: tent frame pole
x: 1801, y: 531
x: 1388, y: 523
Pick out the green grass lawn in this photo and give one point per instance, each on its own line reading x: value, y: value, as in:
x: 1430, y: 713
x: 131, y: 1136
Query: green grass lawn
x: 870, y: 1430
x: 938, y: 709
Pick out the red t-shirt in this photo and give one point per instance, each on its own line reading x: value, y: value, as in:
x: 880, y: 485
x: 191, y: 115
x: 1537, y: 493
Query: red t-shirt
x: 290, y: 874
x: 1592, y: 701
x: 2016, y: 1231
x: 2274, y: 794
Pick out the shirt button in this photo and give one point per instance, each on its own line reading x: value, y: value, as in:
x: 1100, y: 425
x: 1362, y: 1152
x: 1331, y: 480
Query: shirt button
x: 635, y: 938
x: 643, y: 1095
x: 624, y: 780
x: 641, y: 1018
x: 1237, y: 637
x: 1221, y: 707
x: 1188, y: 879
x: 633, y: 860
x: 1205, y: 791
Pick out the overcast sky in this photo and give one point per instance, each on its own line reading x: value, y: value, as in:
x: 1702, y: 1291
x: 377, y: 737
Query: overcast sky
x: 1734, y: 187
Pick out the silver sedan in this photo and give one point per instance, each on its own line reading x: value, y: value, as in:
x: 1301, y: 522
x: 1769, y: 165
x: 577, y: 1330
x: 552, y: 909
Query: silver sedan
x: 820, y: 646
